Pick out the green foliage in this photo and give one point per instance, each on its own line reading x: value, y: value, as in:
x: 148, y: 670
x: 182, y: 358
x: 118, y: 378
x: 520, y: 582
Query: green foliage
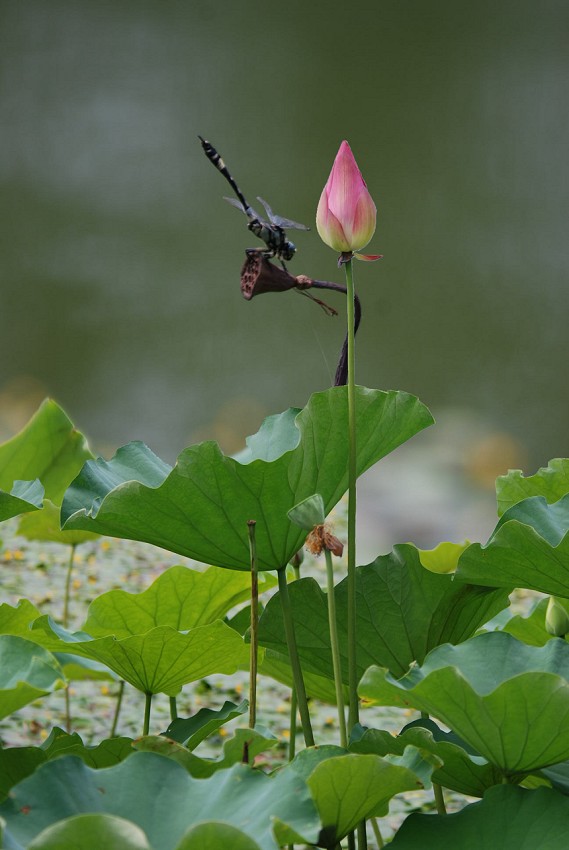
x: 551, y: 482
x: 508, y: 818
x: 27, y: 672
x: 180, y: 598
x: 201, y: 507
x: 403, y: 611
x: 250, y: 801
x: 508, y: 701
x: 528, y: 548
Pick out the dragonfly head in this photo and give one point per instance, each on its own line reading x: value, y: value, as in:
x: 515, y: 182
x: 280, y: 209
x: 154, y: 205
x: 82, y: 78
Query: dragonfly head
x: 288, y: 251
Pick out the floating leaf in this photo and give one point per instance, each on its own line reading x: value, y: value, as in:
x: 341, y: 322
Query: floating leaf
x: 244, y: 798
x: 508, y: 701
x: 551, y: 481
x: 160, y: 661
x: 191, y: 731
x: 528, y: 548
x: 91, y: 832
x: 249, y: 742
x: 27, y: 672
x: 201, y: 507
x: 460, y: 770
x: 403, y: 611
x: 48, y: 448
x: 25, y: 496
x: 181, y: 598
x: 509, y: 818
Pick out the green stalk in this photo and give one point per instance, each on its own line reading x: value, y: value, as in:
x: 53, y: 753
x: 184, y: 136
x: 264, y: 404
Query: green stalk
x: 377, y: 833
x: 68, y: 586
x: 147, y: 707
x: 353, y: 716
x: 336, y: 661
x: 254, y: 653
x: 439, y: 799
x: 437, y: 789
x: 294, y: 659
x: 293, y: 701
x: 117, y: 709
x: 173, y: 708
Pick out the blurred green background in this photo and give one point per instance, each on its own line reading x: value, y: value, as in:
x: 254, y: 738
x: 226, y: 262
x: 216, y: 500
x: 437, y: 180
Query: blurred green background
x: 120, y: 261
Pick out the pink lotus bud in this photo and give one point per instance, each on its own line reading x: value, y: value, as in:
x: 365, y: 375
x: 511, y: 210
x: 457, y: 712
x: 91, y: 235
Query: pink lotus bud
x: 346, y: 213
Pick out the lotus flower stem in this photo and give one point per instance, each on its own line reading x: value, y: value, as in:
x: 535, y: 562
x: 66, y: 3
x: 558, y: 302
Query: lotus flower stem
x: 353, y: 716
x: 147, y: 707
x: 120, y: 693
x: 294, y: 659
x: 254, y: 652
x: 68, y: 585
x: 336, y: 662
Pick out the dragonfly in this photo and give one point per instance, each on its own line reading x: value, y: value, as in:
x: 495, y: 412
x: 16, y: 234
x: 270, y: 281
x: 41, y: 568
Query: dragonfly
x: 271, y: 229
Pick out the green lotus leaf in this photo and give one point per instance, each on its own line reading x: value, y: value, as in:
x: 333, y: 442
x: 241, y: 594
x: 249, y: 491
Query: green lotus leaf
x: 91, y: 832
x: 347, y: 788
x: 181, y: 598
x: 508, y: 817
x: 460, y: 771
x: 163, y: 800
x: 191, y: 731
x: 215, y: 835
x: 78, y: 669
x: 277, y: 666
x: 506, y: 700
x: 44, y: 525
x: 444, y: 557
x: 25, y: 496
x: 558, y: 776
x: 160, y: 661
x: 109, y: 752
x: 244, y: 743
x: 550, y: 481
x: 17, y: 620
x: 16, y: 763
x: 528, y: 548
x: 531, y: 629
x: 48, y: 448
x: 403, y: 611
x: 201, y: 507
x: 27, y: 672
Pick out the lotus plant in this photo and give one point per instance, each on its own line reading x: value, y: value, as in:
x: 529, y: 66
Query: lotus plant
x: 345, y: 220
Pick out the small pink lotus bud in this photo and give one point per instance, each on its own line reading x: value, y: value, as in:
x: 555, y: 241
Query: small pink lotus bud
x: 346, y: 213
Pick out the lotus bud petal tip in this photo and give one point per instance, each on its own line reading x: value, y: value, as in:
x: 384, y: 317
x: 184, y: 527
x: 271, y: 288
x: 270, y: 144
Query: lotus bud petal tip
x: 346, y: 214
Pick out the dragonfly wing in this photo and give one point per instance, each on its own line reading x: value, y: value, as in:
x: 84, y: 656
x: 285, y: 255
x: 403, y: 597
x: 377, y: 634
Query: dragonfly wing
x: 235, y: 203
x: 284, y: 223
x: 249, y: 212
x: 288, y: 224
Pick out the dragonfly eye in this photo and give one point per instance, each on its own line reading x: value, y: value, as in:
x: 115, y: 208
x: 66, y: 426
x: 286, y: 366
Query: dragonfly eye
x: 289, y: 252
